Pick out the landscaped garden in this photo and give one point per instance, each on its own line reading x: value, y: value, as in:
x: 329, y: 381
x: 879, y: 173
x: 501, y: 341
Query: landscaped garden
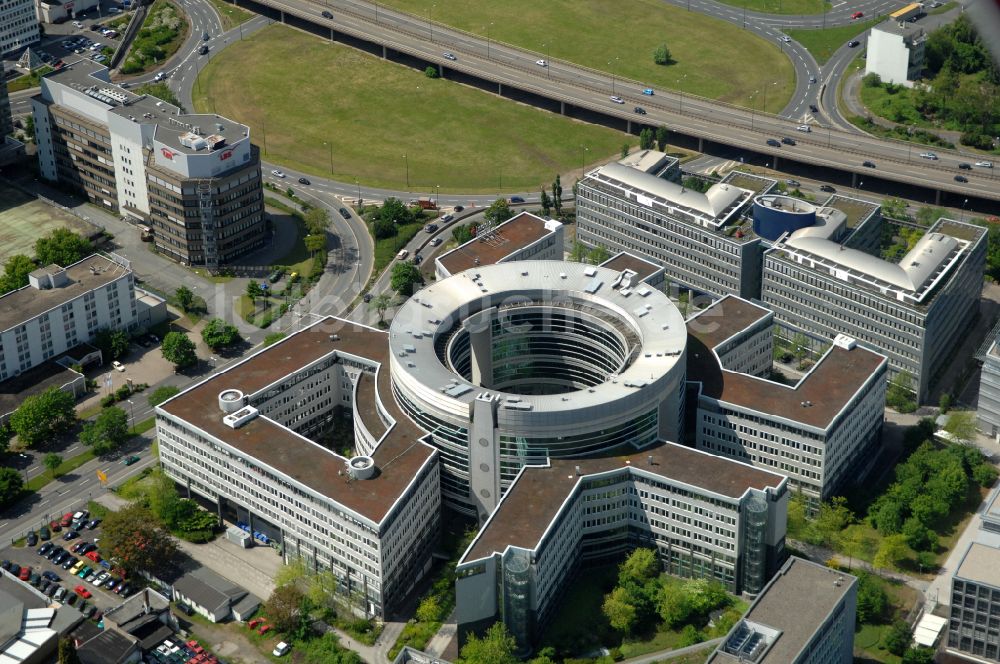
x: 161, y: 34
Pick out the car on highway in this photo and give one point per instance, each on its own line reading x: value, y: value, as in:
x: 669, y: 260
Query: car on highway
x: 804, y: 128
x: 984, y: 164
x: 430, y: 228
x: 128, y: 461
x: 812, y: 79
x: 304, y: 181
x: 788, y: 141
x: 793, y: 183
x: 541, y: 63
x: 449, y: 55
x: 435, y: 241
x: 648, y: 92
x: 516, y: 199
x: 344, y: 213
x: 278, y: 174
x: 961, y: 178
x: 205, y: 36
x: 774, y: 143
x: 827, y: 188
x: 965, y: 166
x: 418, y: 259
x: 367, y: 298
x: 159, y: 76
x: 857, y: 15
x: 640, y: 110
x: 447, y: 217
x: 868, y: 164
x: 326, y: 14
x: 786, y: 39
x: 853, y: 43
x: 616, y: 99
x: 813, y: 108
x: 929, y: 155
x: 203, y: 50
x: 118, y: 366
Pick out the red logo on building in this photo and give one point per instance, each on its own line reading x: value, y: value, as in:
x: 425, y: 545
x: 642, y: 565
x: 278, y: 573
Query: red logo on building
x: 167, y: 153
x: 225, y: 155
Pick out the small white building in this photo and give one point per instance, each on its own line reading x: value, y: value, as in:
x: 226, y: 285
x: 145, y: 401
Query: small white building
x: 896, y: 52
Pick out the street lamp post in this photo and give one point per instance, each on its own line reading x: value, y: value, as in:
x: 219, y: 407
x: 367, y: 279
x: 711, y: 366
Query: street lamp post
x: 131, y: 415
x: 612, y: 66
x: 487, y: 28
x: 406, y: 161
x: 752, y: 108
x: 964, y: 203
x: 430, y: 24
x: 680, y: 94
x: 437, y: 197
x: 356, y: 182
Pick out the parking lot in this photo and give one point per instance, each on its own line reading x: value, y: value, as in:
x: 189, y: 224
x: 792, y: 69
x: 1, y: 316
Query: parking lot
x: 87, y: 37
x: 51, y: 572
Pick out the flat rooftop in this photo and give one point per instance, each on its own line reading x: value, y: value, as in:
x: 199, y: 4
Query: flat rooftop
x: 36, y: 380
x: 725, y: 318
x: 534, y: 501
x: 513, y: 235
x: 626, y: 261
x: 826, y: 389
x: 855, y: 210
x: 397, y: 457
x: 981, y: 563
x: 758, y: 184
x: 92, y: 272
x: 797, y: 601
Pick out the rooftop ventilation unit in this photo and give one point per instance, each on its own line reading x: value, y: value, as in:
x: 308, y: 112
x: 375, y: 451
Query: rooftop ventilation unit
x: 240, y: 417
x: 193, y: 141
x: 215, y: 141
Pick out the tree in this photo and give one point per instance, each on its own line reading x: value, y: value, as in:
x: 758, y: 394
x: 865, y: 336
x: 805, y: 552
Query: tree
x: 545, y: 202
x: 646, y: 139
x: 62, y: 247
x: 871, y: 80
x: 918, y: 536
x: 674, y: 605
x: 497, y: 646
x: 872, y: 600
x: 619, y: 610
x: 178, y: 349
x: 557, y: 196
x: 317, y: 220
x: 891, y: 552
x: 253, y: 291
x: 52, y: 461
x: 498, y: 212
x: 662, y: 135
x: 161, y: 394
x: 112, y: 343
x: 944, y: 403
x: 217, y: 333
x: 640, y: 566
x: 67, y: 651
x: 598, y: 255
x: 900, y: 394
x: 11, y: 484
x: 43, y: 416
x: 897, y: 638
x: 284, y: 608
x: 394, y: 211
x: 919, y: 655
x: 107, y: 432
x: 6, y: 434
x: 133, y: 538
x: 315, y: 243
x: 800, y: 345
x: 15, y: 272
x: 626, y: 148
x: 184, y: 297
x: 431, y: 71
x: 855, y: 543
x: 962, y: 425
x: 381, y: 303
x: 405, y: 276
x: 661, y: 55
x: 429, y: 609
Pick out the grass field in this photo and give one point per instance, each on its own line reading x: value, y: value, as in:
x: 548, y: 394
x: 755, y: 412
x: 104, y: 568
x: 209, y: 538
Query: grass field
x: 374, y: 112
x: 24, y: 219
x: 781, y: 6
x: 824, y: 43
x: 230, y: 14
x: 27, y: 81
x: 713, y: 58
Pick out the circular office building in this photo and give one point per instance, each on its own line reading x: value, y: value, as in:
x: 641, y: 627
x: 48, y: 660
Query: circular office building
x: 510, y: 364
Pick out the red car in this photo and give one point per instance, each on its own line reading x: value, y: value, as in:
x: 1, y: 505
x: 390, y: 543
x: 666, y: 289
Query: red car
x: 264, y: 629
x: 54, y: 526
x: 253, y: 623
x: 857, y: 15
x: 25, y: 573
x: 82, y: 592
x: 66, y: 520
x: 93, y: 555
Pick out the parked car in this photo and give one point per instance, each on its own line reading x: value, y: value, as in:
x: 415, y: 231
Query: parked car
x: 35, y: 579
x: 25, y: 573
x: 5, y: 565
x: 71, y: 599
x: 93, y: 523
x: 44, y: 548
x: 54, y: 526
x: 281, y: 649
x: 77, y: 567
x: 43, y: 534
x: 70, y: 562
x: 32, y: 538
x: 70, y: 534
x: 93, y: 555
x: 52, y: 589
x: 14, y: 569
x: 50, y: 575
x: 60, y: 594
x: 66, y: 519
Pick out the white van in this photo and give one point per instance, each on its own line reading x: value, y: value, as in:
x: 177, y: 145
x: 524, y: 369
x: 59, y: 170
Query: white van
x: 281, y: 649
x: 403, y: 253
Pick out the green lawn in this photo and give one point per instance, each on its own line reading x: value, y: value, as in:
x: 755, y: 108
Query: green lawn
x: 386, y: 249
x: 230, y: 14
x: 823, y: 43
x: 70, y: 464
x: 374, y: 112
x: 781, y: 6
x: 713, y: 58
x: 28, y: 80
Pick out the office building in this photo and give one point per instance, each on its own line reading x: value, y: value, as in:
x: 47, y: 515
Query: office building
x: 896, y: 52
x: 823, y: 430
x: 194, y: 179
x: 703, y: 241
x: 915, y: 311
x: 372, y: 518
x: 18, y: 25
x: 523, y: 237
x: 707, y: 517
x: 62, y: 307
x: 805, y: 615
x: 510, y: 364
x: 988, y: 408
x: 974, y: 624
x: 6, y: 122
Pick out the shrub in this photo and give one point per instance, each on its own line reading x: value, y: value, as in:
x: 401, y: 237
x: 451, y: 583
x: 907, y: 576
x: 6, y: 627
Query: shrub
x: 431, y: 72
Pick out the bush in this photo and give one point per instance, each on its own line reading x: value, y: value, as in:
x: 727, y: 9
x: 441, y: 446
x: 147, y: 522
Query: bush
x: 872, y: 80
x: 976, y: 139
x: 431, y: 72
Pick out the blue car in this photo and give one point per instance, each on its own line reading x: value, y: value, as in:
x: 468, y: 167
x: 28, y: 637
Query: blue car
x: 648, y: 92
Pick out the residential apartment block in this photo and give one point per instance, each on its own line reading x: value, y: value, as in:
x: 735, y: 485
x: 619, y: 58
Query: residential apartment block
x: 805, y: 615
x: 522, y: 237
x: 18, y: 26
x: 823, y: 431
x: 914, y: 311
x: 701, y: 240
x: 194, y: 179
x: 706, y: 516
x: 373, y: 518
x: 62, y: 307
